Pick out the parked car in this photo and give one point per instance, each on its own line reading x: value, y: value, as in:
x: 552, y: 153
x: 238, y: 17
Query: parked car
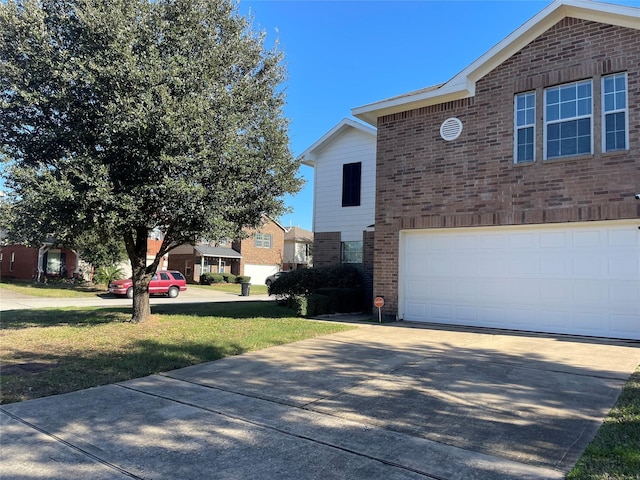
x: 163, y: 282
x: 272, y: 278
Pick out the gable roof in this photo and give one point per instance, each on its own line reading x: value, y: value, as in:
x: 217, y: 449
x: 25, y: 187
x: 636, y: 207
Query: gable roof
x: 464, y: 83
x: 298, y: 234
x: 308, y: 157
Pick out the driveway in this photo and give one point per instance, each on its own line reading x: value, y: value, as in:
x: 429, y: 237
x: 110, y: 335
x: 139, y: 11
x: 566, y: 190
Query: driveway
x: 397, y: 401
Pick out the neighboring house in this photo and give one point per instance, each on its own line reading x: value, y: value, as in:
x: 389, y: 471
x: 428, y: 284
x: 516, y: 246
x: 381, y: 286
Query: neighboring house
x: 20, y: 262
x: 505, y: 196
x: 194, y: 261
x: 298, y: 248
x: 153, y: 247
x: 344, y: 163
x: 257, y: 256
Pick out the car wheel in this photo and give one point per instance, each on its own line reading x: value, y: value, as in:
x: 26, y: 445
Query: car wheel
x: 173, y: 292
x: 130, y: 292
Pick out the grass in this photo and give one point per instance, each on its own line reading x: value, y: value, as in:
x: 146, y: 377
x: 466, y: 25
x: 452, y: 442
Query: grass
x: 52, y: 290
x: 50, y: 351
x: 614, y: 453
x: 233, y: 288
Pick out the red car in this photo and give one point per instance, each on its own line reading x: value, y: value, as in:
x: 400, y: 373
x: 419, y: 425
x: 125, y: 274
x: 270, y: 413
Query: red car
x: 163, y: 282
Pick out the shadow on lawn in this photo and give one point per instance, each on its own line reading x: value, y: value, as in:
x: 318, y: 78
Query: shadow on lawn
x: 76, y: 370
x: 51, y: 317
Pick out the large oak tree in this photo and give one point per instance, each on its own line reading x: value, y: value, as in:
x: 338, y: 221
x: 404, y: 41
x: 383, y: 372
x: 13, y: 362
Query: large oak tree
x: 123, y: 117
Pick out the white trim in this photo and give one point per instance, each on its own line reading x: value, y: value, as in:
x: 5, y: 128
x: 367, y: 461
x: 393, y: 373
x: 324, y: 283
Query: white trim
x: 308, y: 157
x: 620, y: 110
x: 464, y: 83
x: 517, y: 128
x: 561, y: 120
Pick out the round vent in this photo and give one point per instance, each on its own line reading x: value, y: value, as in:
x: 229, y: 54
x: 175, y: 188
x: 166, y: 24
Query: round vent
x: 450, y: 129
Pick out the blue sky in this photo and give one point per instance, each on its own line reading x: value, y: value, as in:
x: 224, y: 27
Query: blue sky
x: 345, y: 54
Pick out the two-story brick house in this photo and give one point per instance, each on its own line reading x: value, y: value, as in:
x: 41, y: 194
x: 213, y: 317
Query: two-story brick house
x: 506, y: 196
x: 258, y: 255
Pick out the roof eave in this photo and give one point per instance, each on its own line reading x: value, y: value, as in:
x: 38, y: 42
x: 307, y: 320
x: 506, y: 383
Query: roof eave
x: 308, y: 157
x: 463, y: 84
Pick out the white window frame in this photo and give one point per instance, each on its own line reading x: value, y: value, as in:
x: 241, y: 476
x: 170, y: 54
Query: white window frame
x: 263, y: 240
x: 351, y: 256
x: 615, y: 110
x: 562, y: 119
x: 526, y: 125
x: 12, y: 261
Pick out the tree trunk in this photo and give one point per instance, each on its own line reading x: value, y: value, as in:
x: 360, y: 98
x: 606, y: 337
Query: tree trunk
x: 141, y: 274
x: 141, y: 306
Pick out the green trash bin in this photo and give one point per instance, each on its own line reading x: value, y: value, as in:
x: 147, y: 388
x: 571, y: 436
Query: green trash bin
x: 246, y: 288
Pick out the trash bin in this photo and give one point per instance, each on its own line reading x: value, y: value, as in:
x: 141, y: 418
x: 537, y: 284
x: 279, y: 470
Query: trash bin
x: 246, y: 288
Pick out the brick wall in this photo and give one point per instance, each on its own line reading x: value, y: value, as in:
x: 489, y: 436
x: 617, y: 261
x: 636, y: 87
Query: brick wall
x: 253, y: 255
x: 425, y: 182
x: 326, y: 249
x: 25, y: 264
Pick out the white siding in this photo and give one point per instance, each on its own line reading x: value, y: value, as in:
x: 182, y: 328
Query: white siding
x: 329, y: 214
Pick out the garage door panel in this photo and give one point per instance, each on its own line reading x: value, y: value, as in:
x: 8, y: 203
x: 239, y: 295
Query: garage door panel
x: 578, y: 278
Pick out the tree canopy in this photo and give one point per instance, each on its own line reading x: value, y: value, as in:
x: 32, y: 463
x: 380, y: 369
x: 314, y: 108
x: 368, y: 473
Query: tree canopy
x: 121, y: 117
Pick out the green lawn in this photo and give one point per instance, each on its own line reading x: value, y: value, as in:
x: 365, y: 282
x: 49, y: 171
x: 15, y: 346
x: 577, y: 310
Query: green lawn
x: 615, y: 451
x: 51, y: 351
x: 233, y: 288
x: 53, y: 290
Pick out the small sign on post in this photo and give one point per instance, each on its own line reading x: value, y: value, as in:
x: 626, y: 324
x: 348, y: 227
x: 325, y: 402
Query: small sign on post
x: 379, y: 303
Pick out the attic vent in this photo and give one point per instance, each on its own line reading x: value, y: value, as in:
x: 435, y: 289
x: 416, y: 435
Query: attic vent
x: 451, y: 129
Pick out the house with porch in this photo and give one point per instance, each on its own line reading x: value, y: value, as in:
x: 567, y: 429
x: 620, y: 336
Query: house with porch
x: 258, y: 255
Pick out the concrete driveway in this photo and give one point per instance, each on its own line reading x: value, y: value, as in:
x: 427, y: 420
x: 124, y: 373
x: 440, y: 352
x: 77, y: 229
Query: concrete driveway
x: 393, y: 401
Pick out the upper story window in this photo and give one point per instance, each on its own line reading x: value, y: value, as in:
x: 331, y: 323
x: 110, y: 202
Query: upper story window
x: 525, y: 116
x: 614, y: 111
x: 263, y: 240
x: 568, y: 122
x: 351, y: 179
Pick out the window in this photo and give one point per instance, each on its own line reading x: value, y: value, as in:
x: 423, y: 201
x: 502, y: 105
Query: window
x: 568, y: 110
x: 262, y: 240
x: 525, y: 115
x: 12, y: 261
x: 351, y: 252
x: 614, y: 110
x: 164, y: 276
x: 351, y: 175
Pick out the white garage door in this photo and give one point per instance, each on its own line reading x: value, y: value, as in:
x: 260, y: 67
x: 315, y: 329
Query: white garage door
x: 581, y: 279
x: 259, y: 273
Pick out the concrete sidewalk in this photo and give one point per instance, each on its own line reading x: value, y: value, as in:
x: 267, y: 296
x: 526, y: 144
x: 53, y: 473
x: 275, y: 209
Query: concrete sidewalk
x: 382, y: 401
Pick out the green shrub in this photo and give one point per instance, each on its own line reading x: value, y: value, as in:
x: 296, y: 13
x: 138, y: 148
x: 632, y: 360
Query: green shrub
x: 106, y: 274
x: 242, y: 279
x: 211, y: 277
x: 305, y: 281
x: 309, y: 305
x: 343, y: 300
x: 229, y: 277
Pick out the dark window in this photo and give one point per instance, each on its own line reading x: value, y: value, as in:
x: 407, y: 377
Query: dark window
x: 178, y: 275
x: 164, y: 276
x: 351, y: 175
